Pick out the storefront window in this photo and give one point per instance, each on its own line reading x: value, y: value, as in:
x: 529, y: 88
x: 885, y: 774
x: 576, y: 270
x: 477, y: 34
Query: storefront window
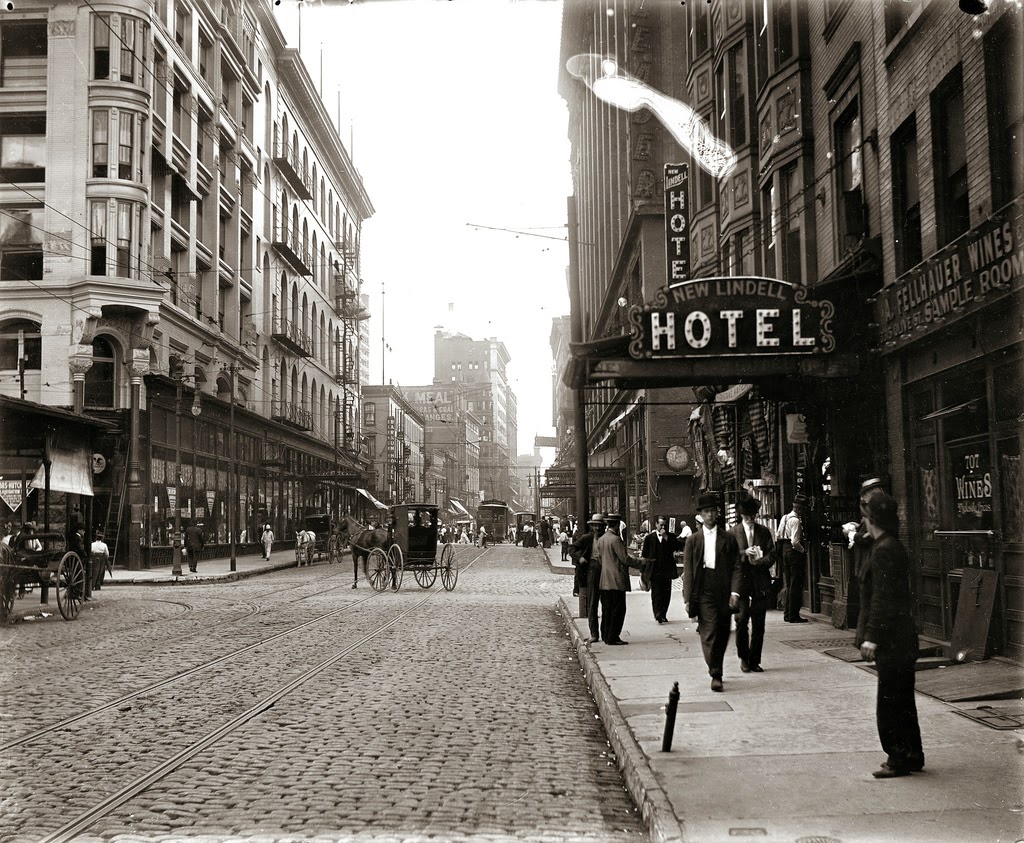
x: 964, y: 406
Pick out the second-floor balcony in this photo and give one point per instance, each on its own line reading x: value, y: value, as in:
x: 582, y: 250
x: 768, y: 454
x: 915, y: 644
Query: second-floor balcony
x: 286, y: 158
x: 291, y: 248
x: 292, y: 337
x: 293, y: 415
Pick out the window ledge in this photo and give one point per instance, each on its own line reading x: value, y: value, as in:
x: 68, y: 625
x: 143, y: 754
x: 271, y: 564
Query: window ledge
x: 903, y: 36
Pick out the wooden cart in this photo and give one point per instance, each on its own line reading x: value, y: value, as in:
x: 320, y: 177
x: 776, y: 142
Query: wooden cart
x: 52, y: 565
x: 413, y: 546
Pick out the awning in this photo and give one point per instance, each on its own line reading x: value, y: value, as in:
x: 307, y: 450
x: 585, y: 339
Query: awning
x: 371, y: 498
x: 70, y: 467
x: 458, y: 506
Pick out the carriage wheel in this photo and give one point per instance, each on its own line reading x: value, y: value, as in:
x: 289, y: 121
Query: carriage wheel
x: 425, y: 576
x: 397, y: 564
x: 449, y: 568
x: 70, y: 586
x: 376, y: 569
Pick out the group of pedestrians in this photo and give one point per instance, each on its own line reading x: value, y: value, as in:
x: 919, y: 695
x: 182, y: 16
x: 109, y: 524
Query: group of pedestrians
x: 727, y: 572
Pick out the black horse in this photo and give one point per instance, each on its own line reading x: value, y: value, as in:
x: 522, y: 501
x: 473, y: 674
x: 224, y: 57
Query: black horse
x: 363, y: 540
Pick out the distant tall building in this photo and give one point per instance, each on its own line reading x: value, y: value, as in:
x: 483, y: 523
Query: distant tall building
x: 478, y: 371
x: 180, y: 229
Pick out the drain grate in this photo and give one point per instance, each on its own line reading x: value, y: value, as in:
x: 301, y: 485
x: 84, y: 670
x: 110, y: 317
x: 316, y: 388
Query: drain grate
x: 995, y: 717
x: 819, y: 643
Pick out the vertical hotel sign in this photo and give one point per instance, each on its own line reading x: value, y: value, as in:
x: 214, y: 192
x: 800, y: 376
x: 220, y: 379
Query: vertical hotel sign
x: 677, y: 222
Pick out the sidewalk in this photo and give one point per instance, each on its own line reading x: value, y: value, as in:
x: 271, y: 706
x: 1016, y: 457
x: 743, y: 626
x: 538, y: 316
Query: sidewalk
x: 212, y: 570
x: 786, y: 754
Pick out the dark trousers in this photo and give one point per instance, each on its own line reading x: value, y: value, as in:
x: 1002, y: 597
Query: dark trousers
x: 579, y: 580
x: 713, y: 624
x: 795, y: 573
x: 613, y: 615
x: 661, y: 595
x: 594, y: 600
x: 565, y: 551
x: 896, y: 710
x: 750, y: 629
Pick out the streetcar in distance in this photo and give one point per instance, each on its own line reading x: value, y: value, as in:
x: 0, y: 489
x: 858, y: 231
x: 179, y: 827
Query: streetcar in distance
x: 493, y: 515
x: 521, y: 519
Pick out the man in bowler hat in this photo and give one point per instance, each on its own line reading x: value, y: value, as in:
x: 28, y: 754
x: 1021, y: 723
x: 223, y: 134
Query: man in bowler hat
x: 712, y: 582
x: 755, y: 545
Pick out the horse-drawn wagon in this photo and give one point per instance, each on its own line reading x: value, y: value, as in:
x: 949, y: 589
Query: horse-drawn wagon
x: 50, y: 564
x: 413, y: 546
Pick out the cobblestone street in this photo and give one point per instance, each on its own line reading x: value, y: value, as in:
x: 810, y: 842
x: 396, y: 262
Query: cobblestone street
x: 291, y: 707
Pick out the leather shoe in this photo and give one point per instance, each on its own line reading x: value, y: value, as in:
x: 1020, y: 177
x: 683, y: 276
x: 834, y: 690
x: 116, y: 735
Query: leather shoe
x: 744, y: 666
x: 716, y: 684
x: 593, y: 640
x: 618, y: 642
x: 887, y: 772
x: 799, y: 620
x: 756, y: 668
x: 917, y: 767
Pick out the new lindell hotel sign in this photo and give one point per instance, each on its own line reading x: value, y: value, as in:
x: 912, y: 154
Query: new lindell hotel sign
x: 716, y: 317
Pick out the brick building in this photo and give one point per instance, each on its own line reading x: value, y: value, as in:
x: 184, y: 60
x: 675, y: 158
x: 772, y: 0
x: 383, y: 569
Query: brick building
x: 878, y: 155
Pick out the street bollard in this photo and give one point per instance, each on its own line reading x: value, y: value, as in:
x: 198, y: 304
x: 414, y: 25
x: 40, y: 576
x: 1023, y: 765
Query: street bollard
x: 670, y: 717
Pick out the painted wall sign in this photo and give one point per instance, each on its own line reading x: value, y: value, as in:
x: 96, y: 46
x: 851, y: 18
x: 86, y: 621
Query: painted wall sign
x: 972, y: 486
x: 677, y: 222
x: 985, y: 264
x: 736, y: 317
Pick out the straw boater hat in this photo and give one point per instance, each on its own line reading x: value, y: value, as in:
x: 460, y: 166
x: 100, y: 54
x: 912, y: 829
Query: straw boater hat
x: 799, y: 499
x: 597, y: 518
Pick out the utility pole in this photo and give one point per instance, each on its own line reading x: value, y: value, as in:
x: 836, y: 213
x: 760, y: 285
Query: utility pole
x: 177, y: 539
x: 232, y: 515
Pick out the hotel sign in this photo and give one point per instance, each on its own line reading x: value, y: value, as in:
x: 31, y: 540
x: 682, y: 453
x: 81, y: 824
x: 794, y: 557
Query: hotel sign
x: 734, y: 317
x: 987, y: 263
x: 677, y: 222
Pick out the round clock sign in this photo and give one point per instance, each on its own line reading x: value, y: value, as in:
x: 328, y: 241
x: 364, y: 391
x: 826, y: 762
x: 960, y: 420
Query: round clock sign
x: 677, y: 457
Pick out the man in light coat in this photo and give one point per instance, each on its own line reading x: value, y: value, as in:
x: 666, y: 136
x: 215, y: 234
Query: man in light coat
x: 611, y: 552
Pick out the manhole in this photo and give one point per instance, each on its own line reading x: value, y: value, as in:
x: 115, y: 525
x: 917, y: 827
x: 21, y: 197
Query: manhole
x: 1010, y: 717
x: 846, y: 654
x: 818, y: 643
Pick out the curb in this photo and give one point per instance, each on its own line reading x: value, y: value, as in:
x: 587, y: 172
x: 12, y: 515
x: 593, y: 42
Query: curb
x: 655, y: 808
x: 231, y: 576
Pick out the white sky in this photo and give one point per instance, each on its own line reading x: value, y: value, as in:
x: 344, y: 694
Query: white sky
x: 456, y: 119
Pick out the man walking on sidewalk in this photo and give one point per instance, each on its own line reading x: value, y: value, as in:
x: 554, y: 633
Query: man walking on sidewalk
x: 658, y: 552
x: 195, y: 541
x: 755, y: 546
x: 712, y: 580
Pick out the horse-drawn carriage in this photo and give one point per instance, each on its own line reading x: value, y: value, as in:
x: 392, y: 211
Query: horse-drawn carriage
x: 51, y: 564
x: 410, y: 542
x: 325, y: 544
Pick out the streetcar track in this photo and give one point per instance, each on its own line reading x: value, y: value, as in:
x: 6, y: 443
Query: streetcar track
x: 32, y: 737
x: 70, y: 829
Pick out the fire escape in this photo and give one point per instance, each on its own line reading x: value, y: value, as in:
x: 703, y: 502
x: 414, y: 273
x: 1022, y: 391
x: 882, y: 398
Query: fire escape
x: 351, y: 313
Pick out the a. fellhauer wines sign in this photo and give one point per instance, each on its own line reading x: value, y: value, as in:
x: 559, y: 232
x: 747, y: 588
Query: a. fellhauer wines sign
x: 741, y: 317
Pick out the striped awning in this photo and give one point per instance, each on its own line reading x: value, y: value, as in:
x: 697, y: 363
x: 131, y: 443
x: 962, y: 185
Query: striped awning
x: 459, y: 507
x: 371, y: 498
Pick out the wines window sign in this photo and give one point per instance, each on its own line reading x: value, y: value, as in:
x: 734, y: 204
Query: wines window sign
x: 741, y: 317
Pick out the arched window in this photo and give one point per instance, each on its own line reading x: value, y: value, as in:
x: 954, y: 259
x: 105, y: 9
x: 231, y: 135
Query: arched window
x: 101, y: 379
x: 269, y: 139
x: 223, y: 388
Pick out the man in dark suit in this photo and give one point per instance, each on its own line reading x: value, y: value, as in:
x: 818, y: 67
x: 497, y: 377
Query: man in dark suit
x: 583, y: 556
x: 658, y: 552
x: 887, y: 635
x: 755, y: 545
x: 712, y: 581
